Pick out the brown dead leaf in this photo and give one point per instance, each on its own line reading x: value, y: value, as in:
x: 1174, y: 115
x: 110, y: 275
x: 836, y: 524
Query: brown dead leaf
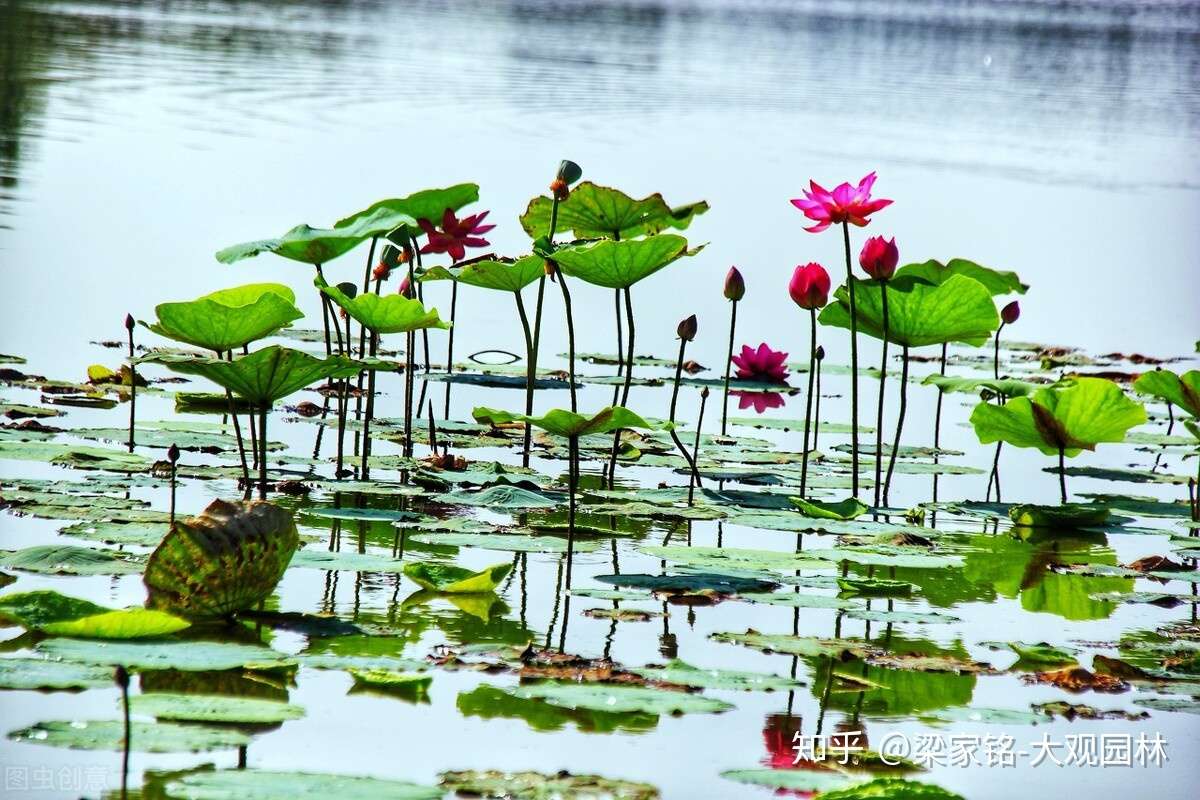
x: 1156, y: 564
x: 1077, y: 679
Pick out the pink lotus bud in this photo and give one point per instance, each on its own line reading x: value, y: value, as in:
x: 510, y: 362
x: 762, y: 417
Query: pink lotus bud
x: 687, y: 329
x: 879, y: 258
x: 820, y: 353
x: 173, y: 453
x: 406, y: 288
x: 129, y: 322
x: 1010, y: 313
x: 735, y: 286
x: 809, y: 286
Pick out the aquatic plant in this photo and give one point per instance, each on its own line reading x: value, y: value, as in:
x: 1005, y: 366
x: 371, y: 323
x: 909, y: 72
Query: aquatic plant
x: 686, y: 332
x: 1008, y: 315
x: 809, y: 289
x: 734, y: 290
x: 761, y: 364
x: 846, y: 204
x: 878, y: 259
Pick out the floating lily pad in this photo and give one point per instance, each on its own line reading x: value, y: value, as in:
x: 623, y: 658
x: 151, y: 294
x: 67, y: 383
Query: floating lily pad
x: 449, y: 579
x: 499, y: 497
x: 618, y: 698
x: 313, y: 558
x: 684, y: 674
x: 891, y: 789
x: 129, y: 623
x: 798, y: 780
x: 875, y: 587
x: 41, y: 673
x: 722, y: 558
x: 70, y: 560
x: 147, y: 737
x: 1169, y: 704
x: 253, y: 784
x: 513, y: 543
x: 690, y: 584
x: 1068, y: 515
x: 495, y: 785
x: 847, y: 509
x: 213, y: 708
x: 180, y: 655
x: 412, y: 686
x: 989, y: 716
x: 790, y: 645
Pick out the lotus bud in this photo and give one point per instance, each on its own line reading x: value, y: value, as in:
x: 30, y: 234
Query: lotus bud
x: 173, y: 453
x: 809, y: 286
x: 406, y: 288
x: 121, y: 676
x: 568, y: 172
x: 820, y: 352
x: 1010, y: 313
x: 879, y: 257
x: 704, y: 393
x: 551, y: 269
x: 735, y: 286
x: 687, y: 329
x: 129, y: 322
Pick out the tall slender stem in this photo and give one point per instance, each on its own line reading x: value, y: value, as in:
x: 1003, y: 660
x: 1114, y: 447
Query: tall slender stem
x: 887, y: 486
x: 674, y: 434
x: 253, y: 424
x: 812, y: 368
x: 994, y: 476
x: 132, y: 384
x: 365, y: 472
x: 853, y: 362
x: 537, y: 319
x: 729, y: 366
x: 937, y: 427
x: 126, y: 743
x: 450, y: 344
x: 172, y: 512
x: 566, y: 293
x: 882, y: 387
x: 410, y: 344
x: 1062, y: 475
x: 324, y: 312
x: 530, y: 376
x: 696, y: 442
x: 262, y: 457
x: 816, y: 431
x: 620, y: 345
x: 572, y: 485
x: 366, y: 287
x: 237, y: 430
x: 612, y: 460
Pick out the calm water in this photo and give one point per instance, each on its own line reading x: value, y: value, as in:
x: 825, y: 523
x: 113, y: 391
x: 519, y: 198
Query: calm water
x: 1054, y: 139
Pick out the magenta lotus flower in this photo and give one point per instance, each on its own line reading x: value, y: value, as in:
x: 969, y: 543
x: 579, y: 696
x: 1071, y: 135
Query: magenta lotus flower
x: 845, y: 203
x: 759, y: 401
x: 879, y: 257
x: 809, y: 286
x: 762, y: 364
x: 456, y: 234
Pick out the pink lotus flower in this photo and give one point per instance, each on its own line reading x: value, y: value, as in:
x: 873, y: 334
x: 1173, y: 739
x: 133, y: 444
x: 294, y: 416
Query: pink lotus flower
x: 809, y: 286
x: 759, y: 401
x: 845, y: 203
x: 456, y: 234
x: 879, y: 258
x: 764, y: 364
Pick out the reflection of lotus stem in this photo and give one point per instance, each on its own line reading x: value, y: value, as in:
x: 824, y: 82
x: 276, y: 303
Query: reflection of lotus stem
x: 887, y: 486
x: 432, y: 430
x: 237, y: 430
x: 530, y: 375
x: 172, y: 512
x: 262, y: 456
x: 696, y: 446
x: 729, y: 365
x: 612, y: 459
x: 882, y: 386
x: 450, y: 343
x: 674, y: 434
x: 853, y: 363
x: 812, y: 368
x: 572, y: 485
x: 325, y: 312
x: 557, y: 598
x: 122, y: 677
x: 132, y: 385
x: 1062, y: 477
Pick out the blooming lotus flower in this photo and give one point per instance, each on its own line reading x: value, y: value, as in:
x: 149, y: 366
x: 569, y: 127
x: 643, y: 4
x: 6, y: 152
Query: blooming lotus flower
x: 759, y: 401
x: 879, y: 258
x: 1010, y: 313
x: 762, y: 364
x: 456, y: 234
x: 845, y: 203
x: 735, y: 285
x: 809, y: 286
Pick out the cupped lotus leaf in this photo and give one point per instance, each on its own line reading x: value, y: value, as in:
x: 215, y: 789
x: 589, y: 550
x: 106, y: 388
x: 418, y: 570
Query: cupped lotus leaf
x: 540, y: 786
x: 265, y: 375
x: 684, y: 674
x: 844, y: 510
x: 213, y: 708
x: 1070, y: 515
x: 1009, y: 387
x: 594, y: 212
x: 146, y: 737
x: 618, y: 698
x: 1041, y: 655
x: 560, y: 422
x: 225, y: 560
x: 449, y: 579
x: 41, y: 674
x: 1072, y: 416
x: 50, y: 559
x: 1180, y: 390
x: 128, y: 623
x: 310, y: 245
x: 933, y: 271
x: 919, y: 313
x: 875, y: 587
x: 619, y: 265
x: 391, y: 313
x: 503, y: 274
x: 404, y: 211
x: 188, y: 656
x: 44, y: 607
x: 228, y: 320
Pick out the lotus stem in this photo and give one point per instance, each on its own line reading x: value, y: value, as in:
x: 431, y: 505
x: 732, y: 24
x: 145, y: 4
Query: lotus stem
x: 410, y: 344
x: 612, y: 461
x: 262, y: 458
x: 366, y: 447
x: 530, y: 376
x: 557, y: 598
x: 450, y: 344
x: 887, y: 486
x: 173, y: 457
x: 366, y: 287
x: 325, y: 311
x: 812, y: 369
x: 674, y: 434
x: 729, y: 366
x: 882, y: 388
x: 937, y: 427
x: 1062, y: 476
x: 853, y: 362
x: 132, y: 381
x: 253, y: 434
x: 537, y: 318
x: 432, y: 430
x: 817, y: 405
x: 696, y: 443
x: 995, y: 473
x: 572, y: 486
x: 620, y: 344
x: 237, y: 430
x: 566, y: 293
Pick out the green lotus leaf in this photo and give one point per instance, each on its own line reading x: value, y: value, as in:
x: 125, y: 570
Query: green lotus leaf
x: 41, y: 674
x: 50, y: 559
x: 619, y: 265
x: 567, y: 423
x: 253, y: 784
x: 504, y: 274
x: 1075, y: 415
x: 694, y: 583
x: 891, y: 789
x: 1169, y: 704
x: 313, y: 558
x: 128, y: 623
x: 501, y: 498
x: 449, y: 579
x: 844, y: 510
x: 684, y: 674
x: 1180, y: 390
x: 594, y: 212
x: 189, y: 656
x: 618, y: 698
x: 44, y: 607
x: 229, y: 319
x: 742, y: 560
x: 391, y: 313
x: 919, y: 313
x: 1009, y: 387
x: 1041, y: 655
x: 213, y: 708
x: 315, y: 245
x: 798, y: 780
x: 1071, y: 515
x: 265, y: 375
x: 146, y: 737
x: 225, y: 560
x: 402, y: 212
x: 875, y: 587
x: 542, y: 786
x: 787, y: 644
x: 996, y: 281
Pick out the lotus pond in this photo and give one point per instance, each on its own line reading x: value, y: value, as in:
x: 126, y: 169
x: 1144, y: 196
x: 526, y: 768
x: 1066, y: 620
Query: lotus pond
x: 324, y: 526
